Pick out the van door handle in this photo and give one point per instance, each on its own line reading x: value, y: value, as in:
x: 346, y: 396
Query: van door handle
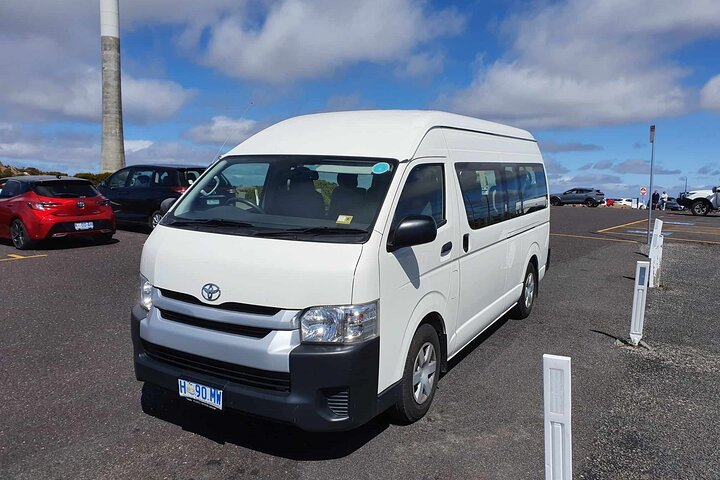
x: 446, y: 248
x: 466, y: 242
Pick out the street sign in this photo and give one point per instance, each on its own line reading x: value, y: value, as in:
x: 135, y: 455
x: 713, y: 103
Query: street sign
x: 652, y: 133
x: 643, y: 191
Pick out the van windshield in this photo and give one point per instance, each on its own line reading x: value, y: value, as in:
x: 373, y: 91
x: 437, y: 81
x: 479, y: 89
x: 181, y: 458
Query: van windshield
x: 313, y: 198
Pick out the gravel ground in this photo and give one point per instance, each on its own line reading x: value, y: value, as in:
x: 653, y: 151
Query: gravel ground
x: 664, y: 421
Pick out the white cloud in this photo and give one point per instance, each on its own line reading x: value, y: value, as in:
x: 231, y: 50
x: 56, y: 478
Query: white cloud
x: 300, y: 39
x: 51, y: 71
x: 422, y: 64
x: 710, y: 94
x: 580, y: 63
x: 222, y: 130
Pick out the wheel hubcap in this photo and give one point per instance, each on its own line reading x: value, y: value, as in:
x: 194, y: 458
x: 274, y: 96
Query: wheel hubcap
x: 156, y: 219
x: 424, y: 372
x: 529, y: 290
x: 17, y: 235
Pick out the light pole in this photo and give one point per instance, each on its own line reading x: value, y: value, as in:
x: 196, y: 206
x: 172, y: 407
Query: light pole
x: 652, y: 162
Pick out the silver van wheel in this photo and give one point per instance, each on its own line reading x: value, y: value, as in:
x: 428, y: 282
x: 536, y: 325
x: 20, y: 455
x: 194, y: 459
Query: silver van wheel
x: 424, y: 371
x: 529, y: 290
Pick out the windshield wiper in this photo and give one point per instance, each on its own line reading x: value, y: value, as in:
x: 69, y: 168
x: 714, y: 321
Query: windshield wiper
x: 210, y: 222
x: 312, y: 231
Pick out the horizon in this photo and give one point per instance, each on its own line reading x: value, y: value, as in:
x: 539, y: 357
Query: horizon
x: 586, y: 77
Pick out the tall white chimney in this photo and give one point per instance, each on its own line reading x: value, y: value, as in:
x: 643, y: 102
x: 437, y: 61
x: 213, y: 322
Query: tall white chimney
x: 113, y: 151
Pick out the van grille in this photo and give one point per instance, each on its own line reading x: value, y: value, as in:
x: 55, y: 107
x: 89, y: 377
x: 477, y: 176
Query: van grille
x: 251, y: 377
x: 339, y: 402
x: 231, y: 306
x: 255, y: 332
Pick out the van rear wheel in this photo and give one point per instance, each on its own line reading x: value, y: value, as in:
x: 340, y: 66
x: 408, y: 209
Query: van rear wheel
x: 420, y: 376
x: 528, y: 295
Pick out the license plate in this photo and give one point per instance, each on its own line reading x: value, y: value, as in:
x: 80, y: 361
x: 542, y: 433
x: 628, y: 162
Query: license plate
x: 213, y: 201
x: 212, y: 397
x: 84, y: 226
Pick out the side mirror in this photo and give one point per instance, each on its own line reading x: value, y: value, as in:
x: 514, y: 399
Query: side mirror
x: 412, y: 230
x: 715, y: 189
x: 166, y: 205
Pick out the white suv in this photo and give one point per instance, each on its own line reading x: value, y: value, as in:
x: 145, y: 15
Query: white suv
x: 701, y: 202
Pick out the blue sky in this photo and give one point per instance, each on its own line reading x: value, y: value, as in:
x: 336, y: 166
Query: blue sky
x: 587, y: 77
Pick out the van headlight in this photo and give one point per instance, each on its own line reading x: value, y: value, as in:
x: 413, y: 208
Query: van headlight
x: 146, y: 289
x: 346, y: 324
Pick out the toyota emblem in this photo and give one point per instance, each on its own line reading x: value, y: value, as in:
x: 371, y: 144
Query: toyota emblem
x: 81, y: 204
x: 210, y: 292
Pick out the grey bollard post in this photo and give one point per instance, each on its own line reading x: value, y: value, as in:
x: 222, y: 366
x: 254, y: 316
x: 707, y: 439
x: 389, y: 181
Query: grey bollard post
x: 642, y: 272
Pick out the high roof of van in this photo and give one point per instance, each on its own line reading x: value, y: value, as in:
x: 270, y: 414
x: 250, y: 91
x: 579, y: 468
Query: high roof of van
x: 366, y: 133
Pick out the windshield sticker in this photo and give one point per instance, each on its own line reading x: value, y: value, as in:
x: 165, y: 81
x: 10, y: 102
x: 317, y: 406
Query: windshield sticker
x: 344, y: 219
x: 380, y: 168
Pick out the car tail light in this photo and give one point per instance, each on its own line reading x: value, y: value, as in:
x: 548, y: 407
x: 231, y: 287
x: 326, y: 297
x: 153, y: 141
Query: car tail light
x: 43, y: 206
x: 103, y: 202
x: 178, y: 189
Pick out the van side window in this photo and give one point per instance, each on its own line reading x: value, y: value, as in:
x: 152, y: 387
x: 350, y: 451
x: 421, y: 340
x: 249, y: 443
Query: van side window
x: 484, y: 204
x: 423, y: 194
x: 533, y: 188
x: 511, y: 187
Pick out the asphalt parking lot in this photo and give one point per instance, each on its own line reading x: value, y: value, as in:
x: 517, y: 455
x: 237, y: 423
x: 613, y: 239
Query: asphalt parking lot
x: 72, y: 408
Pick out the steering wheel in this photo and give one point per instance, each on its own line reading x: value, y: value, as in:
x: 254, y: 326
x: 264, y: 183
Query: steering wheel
x: 217, y: 184
x: 254, y: 207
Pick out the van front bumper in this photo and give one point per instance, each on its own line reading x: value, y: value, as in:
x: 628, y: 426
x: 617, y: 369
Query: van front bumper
x: 331, y: 387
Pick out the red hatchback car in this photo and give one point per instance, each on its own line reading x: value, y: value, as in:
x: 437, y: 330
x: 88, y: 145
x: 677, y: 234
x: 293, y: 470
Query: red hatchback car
x: 34, y: 208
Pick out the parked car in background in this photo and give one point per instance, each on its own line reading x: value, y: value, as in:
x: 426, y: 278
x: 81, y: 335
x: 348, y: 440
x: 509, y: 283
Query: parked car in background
x: 701, y: 202
x: 136, y: 192
x: 587, y: 196
x: 623, y: 202
x: 36, y: 207
x: 672, y: 204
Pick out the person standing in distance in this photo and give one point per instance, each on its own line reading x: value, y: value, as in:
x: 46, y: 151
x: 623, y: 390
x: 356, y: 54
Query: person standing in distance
x: 663, y: 200
x: 655, y: 200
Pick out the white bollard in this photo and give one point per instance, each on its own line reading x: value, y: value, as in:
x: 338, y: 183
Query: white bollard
x: 642, y: 272
x: 655, y: 253
x: 558, y: 430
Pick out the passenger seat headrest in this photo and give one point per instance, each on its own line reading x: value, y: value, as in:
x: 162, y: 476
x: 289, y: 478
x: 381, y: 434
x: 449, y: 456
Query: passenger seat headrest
x: 349, y: 180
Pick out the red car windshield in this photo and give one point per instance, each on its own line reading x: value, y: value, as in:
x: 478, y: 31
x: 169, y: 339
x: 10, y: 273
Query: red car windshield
x: 65, y: 189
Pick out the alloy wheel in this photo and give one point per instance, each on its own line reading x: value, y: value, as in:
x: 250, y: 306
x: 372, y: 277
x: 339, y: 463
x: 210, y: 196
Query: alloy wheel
x: 424, y: 371
x: 529, y: 290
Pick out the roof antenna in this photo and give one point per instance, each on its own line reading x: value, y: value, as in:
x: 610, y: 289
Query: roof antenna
x: 242, y: 117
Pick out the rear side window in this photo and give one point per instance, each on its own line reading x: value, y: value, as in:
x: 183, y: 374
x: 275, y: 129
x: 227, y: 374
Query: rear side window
x: 166, y: 178
x: 141, y: 178
x: 494, y: 192
x: 188, y: 177
x: 423, y: 194
x: 11, y: 189
x: 65, y: 189
x: 533, y: 188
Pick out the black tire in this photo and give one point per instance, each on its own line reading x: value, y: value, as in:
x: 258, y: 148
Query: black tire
x: 530, y: 284
x: 589, y: 202
x: 154, y: 219
x: 555, y: 202
x: 407, y: 409
x: 19, y: 235
x: 700, y: 207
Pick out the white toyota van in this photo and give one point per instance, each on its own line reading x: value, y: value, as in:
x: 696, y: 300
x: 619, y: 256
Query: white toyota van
x: 328, y: 268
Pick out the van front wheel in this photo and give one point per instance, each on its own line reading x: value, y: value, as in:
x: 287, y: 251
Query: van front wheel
x: 528, y: 295
x: 420, y: 376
